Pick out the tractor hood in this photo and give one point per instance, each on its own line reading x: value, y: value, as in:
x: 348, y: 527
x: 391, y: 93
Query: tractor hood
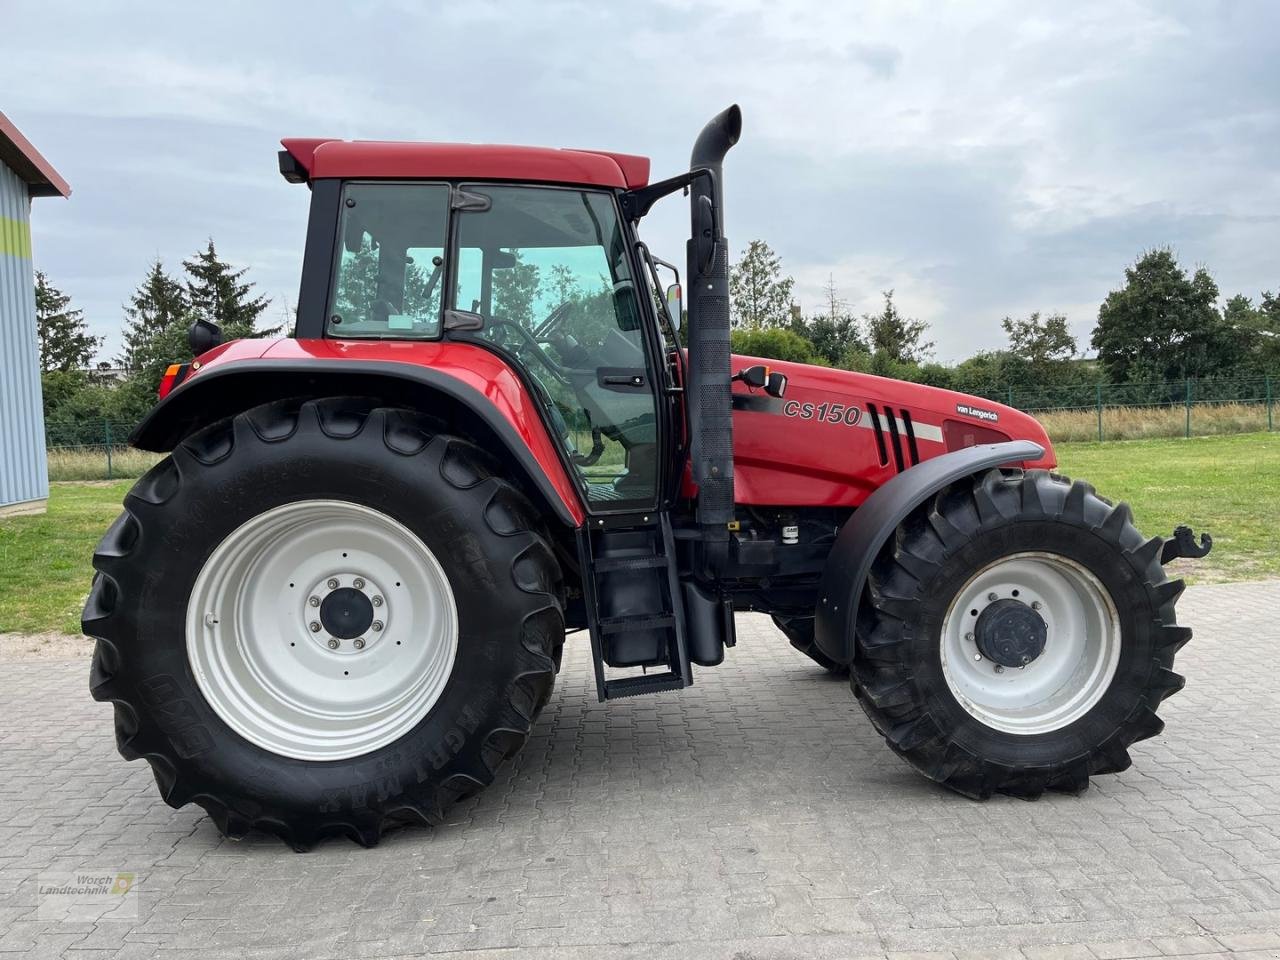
x: 835, y: 435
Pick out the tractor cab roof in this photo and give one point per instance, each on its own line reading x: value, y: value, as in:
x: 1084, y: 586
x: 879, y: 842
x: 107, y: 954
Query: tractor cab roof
x: 306, y: 159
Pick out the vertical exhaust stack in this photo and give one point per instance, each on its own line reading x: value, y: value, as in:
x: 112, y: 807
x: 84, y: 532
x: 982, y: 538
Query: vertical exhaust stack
x: 707, y: 394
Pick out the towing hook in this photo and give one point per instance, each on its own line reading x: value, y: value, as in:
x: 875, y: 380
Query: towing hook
x: 1184, y: 544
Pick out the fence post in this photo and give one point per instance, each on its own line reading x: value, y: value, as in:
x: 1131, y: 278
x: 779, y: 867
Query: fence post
x: 1099, y: 413
x: 1268, y: 404
x: 1188, y: 432
x: 107, y: 434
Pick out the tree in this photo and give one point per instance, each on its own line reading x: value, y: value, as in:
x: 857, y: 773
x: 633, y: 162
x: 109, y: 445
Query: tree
x: 156, y: 321
x: 216, y: 291
x: 834, y: 334
x: 514, y: 290
x: 1163, y: 323
x: 760, y: 295
x: 773, y: 343
x: 896, y: 338
x: 65, y: 342
x: 1040, y: 342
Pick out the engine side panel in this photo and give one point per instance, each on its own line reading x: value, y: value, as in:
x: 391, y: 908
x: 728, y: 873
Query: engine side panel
x: 818, y: 445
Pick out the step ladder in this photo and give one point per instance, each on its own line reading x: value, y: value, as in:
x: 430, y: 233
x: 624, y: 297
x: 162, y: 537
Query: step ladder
x: 657, y: 566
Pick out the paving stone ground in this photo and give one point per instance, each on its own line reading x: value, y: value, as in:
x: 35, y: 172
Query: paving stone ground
x: 756, y: 815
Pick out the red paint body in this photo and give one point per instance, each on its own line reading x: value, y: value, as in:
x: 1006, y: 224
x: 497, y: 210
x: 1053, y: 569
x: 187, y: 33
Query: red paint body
x: 779, y: 460
x: 372, y: 159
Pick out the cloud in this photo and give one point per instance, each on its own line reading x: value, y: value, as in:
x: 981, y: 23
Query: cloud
x: 981, y: 159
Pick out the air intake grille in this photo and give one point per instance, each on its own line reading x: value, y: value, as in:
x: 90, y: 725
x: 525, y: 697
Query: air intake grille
x: 896, y: 424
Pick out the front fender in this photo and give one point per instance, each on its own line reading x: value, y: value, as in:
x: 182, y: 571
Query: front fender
x: 872, y: 524
x: 471, y: 388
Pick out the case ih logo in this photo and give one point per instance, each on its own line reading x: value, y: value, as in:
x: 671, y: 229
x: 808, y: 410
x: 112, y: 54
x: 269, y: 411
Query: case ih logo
x: 977, y: 413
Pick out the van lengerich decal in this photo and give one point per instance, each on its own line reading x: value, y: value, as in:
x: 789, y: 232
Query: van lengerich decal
x: 977, y: 413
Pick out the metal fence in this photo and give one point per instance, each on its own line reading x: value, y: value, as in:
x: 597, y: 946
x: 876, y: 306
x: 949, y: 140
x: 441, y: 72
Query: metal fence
x: 93, y: 450
x: 1157, y: 408
x: 98, y: 449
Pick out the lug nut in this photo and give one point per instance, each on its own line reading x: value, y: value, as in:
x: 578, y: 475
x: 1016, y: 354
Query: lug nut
x: 314, y: 601
x: 333, y: 583
x: 1035, y: 604
x: 377, y: 626
x: 315, y: 626
x: 969, y: 637
x: 358, y: 643
x: 999, y: 669
x: 333, y: 643
x: 358, y: 583
x: 377, y: 601
x: 977, y: 656
x: 992, y: 597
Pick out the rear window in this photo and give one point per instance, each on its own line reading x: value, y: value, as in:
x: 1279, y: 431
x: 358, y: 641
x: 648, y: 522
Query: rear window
x: 389, y: 274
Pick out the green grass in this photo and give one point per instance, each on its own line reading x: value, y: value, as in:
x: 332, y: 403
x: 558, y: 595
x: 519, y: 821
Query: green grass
x: 1228, y: 485
x: 44, y: 560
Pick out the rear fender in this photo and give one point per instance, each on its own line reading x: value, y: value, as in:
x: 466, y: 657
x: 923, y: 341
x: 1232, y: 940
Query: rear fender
x: 873, y: 523
x: 512, y: 432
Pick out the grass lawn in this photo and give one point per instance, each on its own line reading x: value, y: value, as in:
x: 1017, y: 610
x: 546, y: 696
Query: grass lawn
x: 44, y: 560
x: 1228, y: 485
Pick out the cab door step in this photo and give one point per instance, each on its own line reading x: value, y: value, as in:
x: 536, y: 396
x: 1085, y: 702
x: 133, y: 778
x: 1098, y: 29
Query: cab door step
x: 634, y: 605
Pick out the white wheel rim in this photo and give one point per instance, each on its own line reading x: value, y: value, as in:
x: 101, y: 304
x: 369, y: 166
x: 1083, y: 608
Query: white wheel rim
x: 1081, y: 652
x: 283, y: 685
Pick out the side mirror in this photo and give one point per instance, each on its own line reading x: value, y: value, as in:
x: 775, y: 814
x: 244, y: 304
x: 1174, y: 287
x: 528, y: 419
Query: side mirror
x: 202, y: 336
x: 675, y: 305
x: 754, y: 377
x: 776, y: 385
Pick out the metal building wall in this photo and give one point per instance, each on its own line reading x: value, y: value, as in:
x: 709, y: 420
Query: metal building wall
x: 24, y: 477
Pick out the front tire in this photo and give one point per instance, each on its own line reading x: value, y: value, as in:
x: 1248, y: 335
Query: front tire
x: 324, y: 618
x: 1017, y: 635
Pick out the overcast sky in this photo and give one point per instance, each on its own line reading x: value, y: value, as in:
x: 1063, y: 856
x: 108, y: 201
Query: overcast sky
x: 982, y: 159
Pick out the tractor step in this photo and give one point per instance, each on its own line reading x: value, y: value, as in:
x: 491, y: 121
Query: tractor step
x: 635, y: 686
x: 613, y: 564
x: 627, y: 624
x: 634, y: 605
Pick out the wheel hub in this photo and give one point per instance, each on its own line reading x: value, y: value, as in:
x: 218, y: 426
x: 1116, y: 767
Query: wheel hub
x: 1010, y: 633
x: 322, y: 629
x: 346, y: 613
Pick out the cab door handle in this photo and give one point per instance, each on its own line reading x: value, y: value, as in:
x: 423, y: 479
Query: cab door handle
x: 620, y: 379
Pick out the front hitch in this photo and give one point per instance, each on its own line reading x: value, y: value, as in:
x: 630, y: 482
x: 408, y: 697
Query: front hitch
x: 1184, y: 544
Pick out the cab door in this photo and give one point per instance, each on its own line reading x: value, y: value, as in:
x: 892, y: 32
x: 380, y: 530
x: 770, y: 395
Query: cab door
x: 544, y: 275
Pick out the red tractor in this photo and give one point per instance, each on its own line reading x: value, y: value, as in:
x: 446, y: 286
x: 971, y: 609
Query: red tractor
x: 339, y: 602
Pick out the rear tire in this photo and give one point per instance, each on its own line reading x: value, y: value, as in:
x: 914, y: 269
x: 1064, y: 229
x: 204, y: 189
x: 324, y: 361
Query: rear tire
x: 979, y: 727
x: 300, y: 754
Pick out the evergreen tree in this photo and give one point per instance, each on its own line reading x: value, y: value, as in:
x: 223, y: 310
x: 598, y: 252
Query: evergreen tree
x: 218, y: 292
x: 760, y: 296
x: 65, y: 342
x: 156, y: 321
x: 894, y: 338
